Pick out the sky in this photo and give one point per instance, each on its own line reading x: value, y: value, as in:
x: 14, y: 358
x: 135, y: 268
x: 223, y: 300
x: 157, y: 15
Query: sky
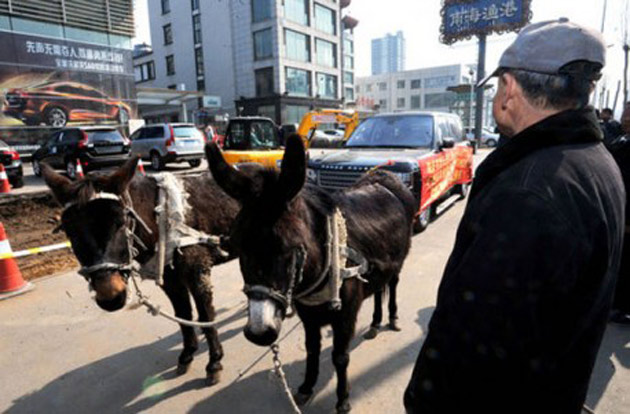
x: 420, y: 22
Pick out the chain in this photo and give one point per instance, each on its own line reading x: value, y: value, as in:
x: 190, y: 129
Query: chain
x: 277, y: 367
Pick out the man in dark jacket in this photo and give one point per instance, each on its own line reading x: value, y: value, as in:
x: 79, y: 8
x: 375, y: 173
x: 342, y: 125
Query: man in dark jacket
x: 524, y: 300
x: 611, y: 128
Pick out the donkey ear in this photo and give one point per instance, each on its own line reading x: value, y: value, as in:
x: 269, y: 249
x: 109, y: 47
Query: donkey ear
x: 293, y: 172
x: 58, y: 184
x: 236, y: 184
x: 118, y: 182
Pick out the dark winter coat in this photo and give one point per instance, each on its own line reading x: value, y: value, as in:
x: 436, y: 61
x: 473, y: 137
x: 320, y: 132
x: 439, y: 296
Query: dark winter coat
x: 526, y: 294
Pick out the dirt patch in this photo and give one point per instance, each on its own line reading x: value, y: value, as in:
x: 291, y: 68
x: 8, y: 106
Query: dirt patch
x: 29, y: 222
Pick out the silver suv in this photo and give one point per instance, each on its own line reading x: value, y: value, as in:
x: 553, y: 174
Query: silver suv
x: 165, y: 143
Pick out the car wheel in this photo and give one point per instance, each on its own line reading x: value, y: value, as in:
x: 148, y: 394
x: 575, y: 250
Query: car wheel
x: 194, y: 163
x: 491, y: 143
x: 17, y: 182
x: 37, y: 169
x: 71, y: 169
x: 123, y: 116
x: 422, y: 221
x: 56, y: 117
x: 156, y: 162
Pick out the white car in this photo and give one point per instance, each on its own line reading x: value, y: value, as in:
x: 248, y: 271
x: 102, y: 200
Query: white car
x: 489, y: 138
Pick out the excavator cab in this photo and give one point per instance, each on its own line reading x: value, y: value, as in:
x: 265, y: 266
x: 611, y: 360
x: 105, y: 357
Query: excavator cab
x: 253, y: 139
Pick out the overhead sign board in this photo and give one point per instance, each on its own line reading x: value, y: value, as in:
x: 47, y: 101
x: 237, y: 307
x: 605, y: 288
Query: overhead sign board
x: 462, y: 19
x: 211, y: 101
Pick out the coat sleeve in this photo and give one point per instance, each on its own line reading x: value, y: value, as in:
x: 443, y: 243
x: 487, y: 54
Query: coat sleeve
x: 512, y: 266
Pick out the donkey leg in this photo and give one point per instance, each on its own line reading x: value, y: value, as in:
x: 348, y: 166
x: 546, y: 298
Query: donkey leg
x: 377, y: 316
x: 313, y: 348
x: 393, y: 306
x: 178, y: 295
x: 343, y: 330
x: 201, y: 290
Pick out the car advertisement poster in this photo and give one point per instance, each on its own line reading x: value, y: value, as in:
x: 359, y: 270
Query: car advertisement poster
x: 47, y: 84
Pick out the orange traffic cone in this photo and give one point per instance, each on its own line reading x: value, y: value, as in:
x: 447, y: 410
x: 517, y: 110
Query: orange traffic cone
x: 140, y: 169
x: 11, y: 281
x: 5, y: 187
x: 79, y: 172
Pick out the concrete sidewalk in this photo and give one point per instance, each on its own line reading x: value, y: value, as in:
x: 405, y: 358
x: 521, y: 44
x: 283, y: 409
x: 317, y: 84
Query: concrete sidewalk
x: 61, y: 354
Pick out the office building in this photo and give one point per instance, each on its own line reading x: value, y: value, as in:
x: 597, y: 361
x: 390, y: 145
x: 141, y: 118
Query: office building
x: 388, y: 54
x: 276, y: 58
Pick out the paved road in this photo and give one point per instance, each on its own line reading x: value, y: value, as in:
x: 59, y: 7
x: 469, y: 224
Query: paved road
x: 61, y: 354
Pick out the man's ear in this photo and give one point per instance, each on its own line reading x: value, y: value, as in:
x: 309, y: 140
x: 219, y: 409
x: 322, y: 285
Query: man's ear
x: 58, y: 184
x: 293, y: 170
x: 118, y: 181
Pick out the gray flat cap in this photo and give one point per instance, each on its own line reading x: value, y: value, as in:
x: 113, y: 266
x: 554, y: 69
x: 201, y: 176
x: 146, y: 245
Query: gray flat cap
x: 546, y: 47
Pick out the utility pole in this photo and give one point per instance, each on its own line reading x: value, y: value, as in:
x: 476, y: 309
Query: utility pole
x: 481, y: 73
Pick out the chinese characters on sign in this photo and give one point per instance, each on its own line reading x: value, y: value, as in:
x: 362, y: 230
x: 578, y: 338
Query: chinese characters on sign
x: 79, y: 58
x: 465, y: 18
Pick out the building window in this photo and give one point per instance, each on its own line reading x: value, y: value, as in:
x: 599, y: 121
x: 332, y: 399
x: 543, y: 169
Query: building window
x: 348, y: 46
x: 298, y: 82
x: 327, y: 86
x: 325, y: 19
x: 166, y: 6
x: 400, y: 103
x: 197, y: 28
x: 194, y: 5
x: 262, y: 44
x: 415, y: 102
x: 173, y: 87
x: 168, y: 34
x: 348, y: 62
x: 349, y: 94
x: 326, y: 53
x: 295, y: 113
x: 144, y: 72
x: 170, y: 65
x: 268, y: 111
x: 382, y: 103
x: 199, y: 61
x: 264, y: 81
x: 348, y: 77
x: 438, y: 100
x: 401, y: 84
x: 382, y: 86
x: 261, y: 10
x: 440, y: 81
x: 297, y: 11
x: 416, y: 84
x: 297, y: 46
x: 368, y: 87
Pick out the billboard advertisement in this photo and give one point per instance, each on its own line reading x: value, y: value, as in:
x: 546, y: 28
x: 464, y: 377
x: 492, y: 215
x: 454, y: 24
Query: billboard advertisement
x: 47, y: 84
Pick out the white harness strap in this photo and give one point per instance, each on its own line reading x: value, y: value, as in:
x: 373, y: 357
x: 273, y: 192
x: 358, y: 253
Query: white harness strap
x: 96, y: 196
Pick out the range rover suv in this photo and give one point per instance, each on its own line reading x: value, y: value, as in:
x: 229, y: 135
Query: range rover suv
x: 426, y: 150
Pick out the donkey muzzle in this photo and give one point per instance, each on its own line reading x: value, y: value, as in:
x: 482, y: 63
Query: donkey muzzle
x: 264, y: 322
x: 111, y: 291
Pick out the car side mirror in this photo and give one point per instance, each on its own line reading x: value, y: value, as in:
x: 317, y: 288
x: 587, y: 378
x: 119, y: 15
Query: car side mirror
x: 447, y: 143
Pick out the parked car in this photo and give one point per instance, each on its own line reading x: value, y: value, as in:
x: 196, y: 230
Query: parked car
x: 94, y: 147
x: 489, y: 138
x: 12, y: 163
x: 167, y: 143
x: 426, y: 150
x: 57, y: 103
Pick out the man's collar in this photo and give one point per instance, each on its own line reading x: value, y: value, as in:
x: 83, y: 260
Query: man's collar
x: 565, y: 128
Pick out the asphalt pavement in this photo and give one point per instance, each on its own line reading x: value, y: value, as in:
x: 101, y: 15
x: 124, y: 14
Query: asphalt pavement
x: 59, y: 353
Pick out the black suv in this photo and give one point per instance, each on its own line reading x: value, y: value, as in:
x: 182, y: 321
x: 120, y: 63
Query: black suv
x: 93, y: 147
x: 12, y: 164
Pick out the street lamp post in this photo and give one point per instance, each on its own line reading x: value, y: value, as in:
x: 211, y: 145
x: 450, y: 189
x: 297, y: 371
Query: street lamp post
x: 470, y: 100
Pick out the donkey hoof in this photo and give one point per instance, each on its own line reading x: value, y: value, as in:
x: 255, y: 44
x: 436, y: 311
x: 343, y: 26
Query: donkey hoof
x: 393, y: 326
x: 302, y: 399
x: 371, y: 333
x: 213, y: 378
x: 182, y: 368
x: 343, y: 407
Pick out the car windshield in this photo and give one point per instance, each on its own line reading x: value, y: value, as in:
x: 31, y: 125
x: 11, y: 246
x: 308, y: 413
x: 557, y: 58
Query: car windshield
x: 109, y: 135
x: 263, y: 135
x: 394, y: 131
x: 187, y: 132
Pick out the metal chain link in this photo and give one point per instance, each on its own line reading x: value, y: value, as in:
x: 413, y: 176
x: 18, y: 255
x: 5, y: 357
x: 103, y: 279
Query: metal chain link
x: 277, y: 367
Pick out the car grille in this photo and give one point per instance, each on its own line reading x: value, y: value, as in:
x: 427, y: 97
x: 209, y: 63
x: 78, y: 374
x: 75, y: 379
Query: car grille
x: 335, y: 179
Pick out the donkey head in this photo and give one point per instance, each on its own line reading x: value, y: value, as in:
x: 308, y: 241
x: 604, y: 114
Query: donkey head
x: 268, y: 233
x: 96, y: 228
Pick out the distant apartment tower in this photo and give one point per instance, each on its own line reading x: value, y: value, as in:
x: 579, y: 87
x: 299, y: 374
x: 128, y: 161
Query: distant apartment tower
x: 276, y: 58
x: 388, y: 54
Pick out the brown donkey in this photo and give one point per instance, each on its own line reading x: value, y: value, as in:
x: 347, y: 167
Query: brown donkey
x: 112, y: 224
x: 281, y: 238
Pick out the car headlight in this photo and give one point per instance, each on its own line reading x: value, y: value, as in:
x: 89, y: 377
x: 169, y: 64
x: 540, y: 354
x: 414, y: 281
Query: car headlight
x: 311, y: 175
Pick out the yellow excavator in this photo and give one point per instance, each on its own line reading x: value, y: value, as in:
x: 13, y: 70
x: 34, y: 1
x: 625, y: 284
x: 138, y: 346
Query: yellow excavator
x: 256, y: 139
